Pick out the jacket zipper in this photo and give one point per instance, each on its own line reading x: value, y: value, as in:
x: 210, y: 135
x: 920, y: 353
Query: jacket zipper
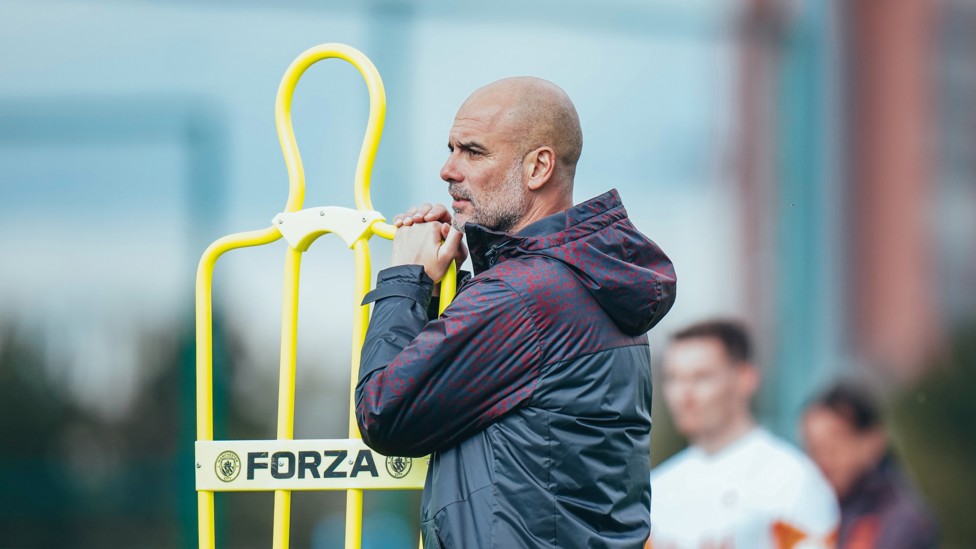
x: 492, y: 254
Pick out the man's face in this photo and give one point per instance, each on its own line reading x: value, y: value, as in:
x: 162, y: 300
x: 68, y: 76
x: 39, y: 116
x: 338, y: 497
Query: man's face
x: 704, y: 390
x: 484, y: 169
x: 838, y: 449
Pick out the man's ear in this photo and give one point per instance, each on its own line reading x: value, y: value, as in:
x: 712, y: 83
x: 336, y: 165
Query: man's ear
x: 538, y: 167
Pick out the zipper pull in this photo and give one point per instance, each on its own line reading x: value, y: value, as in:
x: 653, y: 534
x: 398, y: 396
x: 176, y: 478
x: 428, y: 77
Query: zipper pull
x: 492, y: 254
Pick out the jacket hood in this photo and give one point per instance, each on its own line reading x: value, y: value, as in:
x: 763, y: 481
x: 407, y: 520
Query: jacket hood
x: 628, y: 274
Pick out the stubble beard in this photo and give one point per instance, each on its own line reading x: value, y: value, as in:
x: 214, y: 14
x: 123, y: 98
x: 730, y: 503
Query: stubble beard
x: 499, y: 211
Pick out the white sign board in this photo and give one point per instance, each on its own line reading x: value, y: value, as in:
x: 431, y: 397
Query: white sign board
x: 326, y: 464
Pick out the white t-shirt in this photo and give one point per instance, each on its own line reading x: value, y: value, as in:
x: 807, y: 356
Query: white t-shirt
x: 757, y: 493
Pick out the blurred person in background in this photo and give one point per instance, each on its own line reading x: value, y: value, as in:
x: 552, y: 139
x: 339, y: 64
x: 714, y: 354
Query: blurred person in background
x: 880, y: 509
x: 736, y: 485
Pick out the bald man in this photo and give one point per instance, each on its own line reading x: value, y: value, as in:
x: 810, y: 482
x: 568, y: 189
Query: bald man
x: 532, y: 391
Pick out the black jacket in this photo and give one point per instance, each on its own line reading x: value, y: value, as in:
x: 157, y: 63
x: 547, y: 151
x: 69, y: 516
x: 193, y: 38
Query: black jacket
x: 884, y: 510
x: 532, y: 391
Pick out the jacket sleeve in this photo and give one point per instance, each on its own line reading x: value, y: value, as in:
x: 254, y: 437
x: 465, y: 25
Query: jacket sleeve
x: 424, y: 386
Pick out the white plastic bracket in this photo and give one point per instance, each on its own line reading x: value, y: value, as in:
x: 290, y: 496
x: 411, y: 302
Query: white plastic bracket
x: 301, y: 228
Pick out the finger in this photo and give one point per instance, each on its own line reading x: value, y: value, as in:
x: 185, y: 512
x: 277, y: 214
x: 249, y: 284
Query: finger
x: 448, y: 250
x: 412, y: 220
x: 400, y: 217
x: 421, y: 211
x: 438, y: 212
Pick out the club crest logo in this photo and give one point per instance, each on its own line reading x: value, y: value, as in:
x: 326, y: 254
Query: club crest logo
x: 227, y: 466
x: 398, y: 467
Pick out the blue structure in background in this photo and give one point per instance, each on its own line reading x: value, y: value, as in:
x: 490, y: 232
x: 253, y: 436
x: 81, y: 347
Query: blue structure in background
x: 807, y: 323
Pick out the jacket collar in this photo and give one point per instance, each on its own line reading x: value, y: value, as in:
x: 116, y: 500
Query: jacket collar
x: 488, y: 247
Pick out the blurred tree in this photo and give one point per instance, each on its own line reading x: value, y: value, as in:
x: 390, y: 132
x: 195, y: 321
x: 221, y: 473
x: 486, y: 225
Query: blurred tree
x: 71, y: 477
x: 933, y: 425
x: 34, y: 500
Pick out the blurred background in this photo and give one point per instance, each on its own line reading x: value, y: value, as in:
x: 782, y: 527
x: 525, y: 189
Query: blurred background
x: 809, y: 166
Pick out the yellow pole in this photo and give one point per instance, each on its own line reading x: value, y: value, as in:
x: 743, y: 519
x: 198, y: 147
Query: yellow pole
x: 374, y: 127
x: 360, y: 321
x: 286, y: 385
x: 204, y: 358
x: 296, y: 195
x: 289, y: 329
x: 448, y: 288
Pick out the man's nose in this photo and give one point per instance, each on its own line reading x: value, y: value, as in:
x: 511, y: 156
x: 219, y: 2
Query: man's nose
x: 450, y: 172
